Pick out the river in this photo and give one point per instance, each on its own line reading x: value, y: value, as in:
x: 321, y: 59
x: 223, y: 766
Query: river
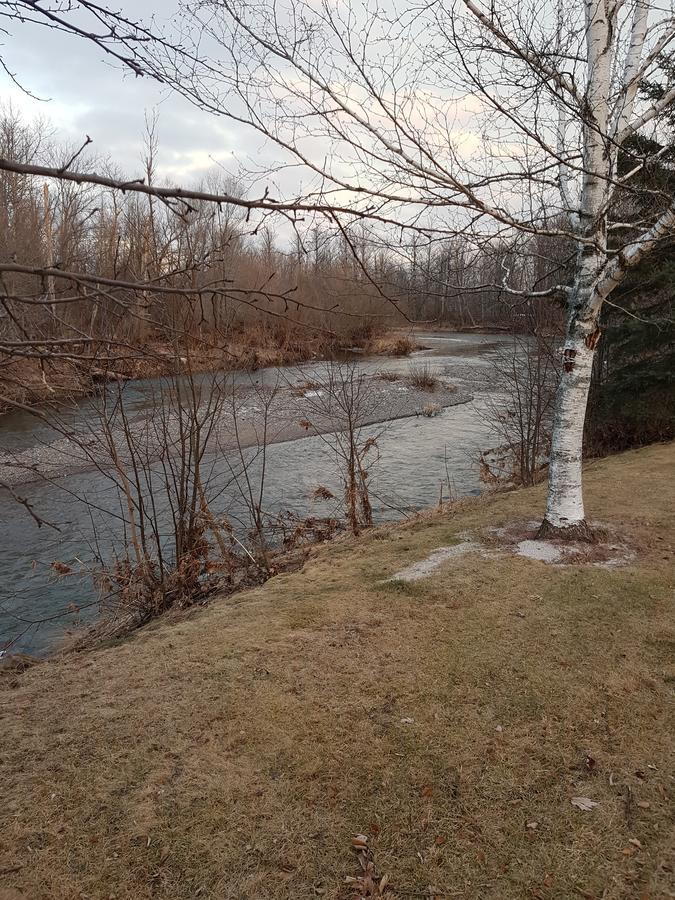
x: 416, y: 455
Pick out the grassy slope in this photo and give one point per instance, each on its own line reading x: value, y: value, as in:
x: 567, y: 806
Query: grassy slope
x: 234, y: 754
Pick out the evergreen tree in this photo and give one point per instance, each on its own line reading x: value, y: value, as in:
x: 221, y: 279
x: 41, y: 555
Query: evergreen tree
x: 633, y: 395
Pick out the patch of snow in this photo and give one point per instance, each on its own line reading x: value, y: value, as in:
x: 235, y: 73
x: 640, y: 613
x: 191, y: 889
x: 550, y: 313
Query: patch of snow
x: 540, y: 550
x: 425, y: 567
x: 312, y: 394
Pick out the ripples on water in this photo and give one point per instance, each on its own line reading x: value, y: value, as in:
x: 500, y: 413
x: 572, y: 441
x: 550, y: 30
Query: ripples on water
x: 416, y: 455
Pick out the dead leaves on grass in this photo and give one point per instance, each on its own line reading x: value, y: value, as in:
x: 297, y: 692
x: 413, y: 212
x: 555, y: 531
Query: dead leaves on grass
x: 368, y: 883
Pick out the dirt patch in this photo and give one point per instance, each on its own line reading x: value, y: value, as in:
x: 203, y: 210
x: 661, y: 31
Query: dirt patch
x: 544, y: 551
x: 611, y: 549
x: 426, y: 567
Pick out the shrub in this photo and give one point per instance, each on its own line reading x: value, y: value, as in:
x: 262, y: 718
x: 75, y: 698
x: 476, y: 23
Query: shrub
x: 394, y: 345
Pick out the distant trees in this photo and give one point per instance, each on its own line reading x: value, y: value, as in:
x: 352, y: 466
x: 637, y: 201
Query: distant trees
x: 97, y: 280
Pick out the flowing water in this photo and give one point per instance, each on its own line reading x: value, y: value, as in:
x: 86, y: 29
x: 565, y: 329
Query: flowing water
x: 416, y: 456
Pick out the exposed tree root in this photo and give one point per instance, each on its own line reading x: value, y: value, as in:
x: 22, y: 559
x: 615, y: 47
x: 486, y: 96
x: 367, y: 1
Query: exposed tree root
x: 579, y: 531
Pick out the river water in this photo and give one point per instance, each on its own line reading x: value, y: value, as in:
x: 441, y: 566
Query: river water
x: 416, y: 455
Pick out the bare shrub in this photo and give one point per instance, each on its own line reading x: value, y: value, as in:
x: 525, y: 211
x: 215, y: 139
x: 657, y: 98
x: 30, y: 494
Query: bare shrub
x: 394, y: 345
x: 173, y: 549
x: 249, y: 474
x: 338, y: 411
x: 525, y: 375
x: 297, y: 532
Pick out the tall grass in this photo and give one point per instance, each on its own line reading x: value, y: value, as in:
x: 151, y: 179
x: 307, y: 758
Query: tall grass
x: 423, y: 377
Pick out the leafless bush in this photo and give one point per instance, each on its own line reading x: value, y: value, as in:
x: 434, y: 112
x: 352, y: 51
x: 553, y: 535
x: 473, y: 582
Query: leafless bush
x: 525, y: 376
x: 249, y: 473
x: 338, y: 411
x: 173, y: 549
x: 296, y: 532
x: 394, y: 345
x: 430, y: 410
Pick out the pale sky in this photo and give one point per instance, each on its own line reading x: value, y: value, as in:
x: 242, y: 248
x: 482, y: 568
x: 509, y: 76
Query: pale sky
x: 83, y: 92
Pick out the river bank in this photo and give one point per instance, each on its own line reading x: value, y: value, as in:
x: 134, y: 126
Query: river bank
x: 27, y: 383
x: 418, y: 458
x: 480, y: 727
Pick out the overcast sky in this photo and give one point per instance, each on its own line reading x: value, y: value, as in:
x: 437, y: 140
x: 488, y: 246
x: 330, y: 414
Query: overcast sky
x: 83, y: 93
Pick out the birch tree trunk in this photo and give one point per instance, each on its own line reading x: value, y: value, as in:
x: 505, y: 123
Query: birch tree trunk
x: 565, y: 505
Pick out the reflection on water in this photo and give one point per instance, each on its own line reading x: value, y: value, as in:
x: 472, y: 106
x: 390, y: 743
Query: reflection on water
x: 416, y: 455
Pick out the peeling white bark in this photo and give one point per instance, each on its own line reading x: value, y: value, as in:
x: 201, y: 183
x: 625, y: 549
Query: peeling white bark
x: 565, y: 504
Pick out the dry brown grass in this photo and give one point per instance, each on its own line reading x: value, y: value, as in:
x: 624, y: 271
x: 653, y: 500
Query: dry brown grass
x: 234, y: 754
x: 392, y: 344
x: 423, y: 377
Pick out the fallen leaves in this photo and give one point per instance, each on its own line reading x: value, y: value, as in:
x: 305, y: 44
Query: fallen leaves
x: 368, y: 883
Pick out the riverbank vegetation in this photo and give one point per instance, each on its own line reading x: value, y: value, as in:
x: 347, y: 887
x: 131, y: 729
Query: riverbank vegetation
x: 114, y: 285
x: 176, y: 495
x: 482, y: 727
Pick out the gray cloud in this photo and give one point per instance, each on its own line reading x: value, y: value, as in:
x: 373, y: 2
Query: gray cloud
x: 85, y: 94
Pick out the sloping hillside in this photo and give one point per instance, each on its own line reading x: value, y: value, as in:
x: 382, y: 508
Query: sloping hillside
x: 451, y: 720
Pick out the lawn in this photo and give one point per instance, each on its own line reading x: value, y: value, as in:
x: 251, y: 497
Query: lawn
x: 237, y: 752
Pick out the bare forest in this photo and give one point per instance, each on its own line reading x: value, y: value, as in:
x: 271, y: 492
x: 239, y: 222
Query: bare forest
x: 101, y: 283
